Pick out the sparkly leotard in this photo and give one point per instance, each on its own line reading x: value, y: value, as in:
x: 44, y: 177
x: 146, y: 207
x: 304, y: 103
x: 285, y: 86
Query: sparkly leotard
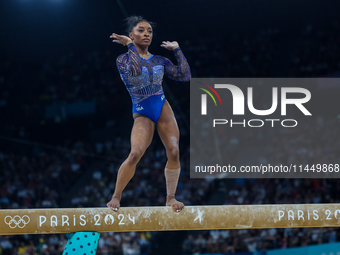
x: 143, y: 79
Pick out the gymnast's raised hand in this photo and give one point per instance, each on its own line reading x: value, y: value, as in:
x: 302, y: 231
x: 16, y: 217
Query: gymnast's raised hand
x: 121, y: 39
x: 170, y: 45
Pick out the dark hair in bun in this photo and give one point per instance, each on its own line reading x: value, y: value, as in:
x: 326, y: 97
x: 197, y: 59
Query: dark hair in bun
x: 132, y: 21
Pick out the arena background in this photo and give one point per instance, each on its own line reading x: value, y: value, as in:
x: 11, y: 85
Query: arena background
x: 66, y: 116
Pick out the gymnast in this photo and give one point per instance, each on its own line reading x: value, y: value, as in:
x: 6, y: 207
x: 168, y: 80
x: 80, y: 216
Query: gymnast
x: 142, y: 74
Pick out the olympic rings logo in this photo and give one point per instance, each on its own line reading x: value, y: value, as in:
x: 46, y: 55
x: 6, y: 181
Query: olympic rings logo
x: 17, y: 221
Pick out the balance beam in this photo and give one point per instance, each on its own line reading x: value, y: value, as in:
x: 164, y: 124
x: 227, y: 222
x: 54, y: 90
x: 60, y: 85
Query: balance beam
x: 48, y: 221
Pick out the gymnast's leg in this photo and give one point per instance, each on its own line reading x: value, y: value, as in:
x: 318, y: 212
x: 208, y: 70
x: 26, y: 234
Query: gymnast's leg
x: 141, y: 137
x: 169, y: 134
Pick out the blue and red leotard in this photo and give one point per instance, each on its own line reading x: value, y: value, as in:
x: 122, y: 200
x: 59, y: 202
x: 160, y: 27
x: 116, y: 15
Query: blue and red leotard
x: 143, y: 79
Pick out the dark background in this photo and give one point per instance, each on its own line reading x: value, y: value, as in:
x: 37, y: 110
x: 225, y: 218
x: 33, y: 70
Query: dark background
x: 46, y: 45
x: 34, y: 30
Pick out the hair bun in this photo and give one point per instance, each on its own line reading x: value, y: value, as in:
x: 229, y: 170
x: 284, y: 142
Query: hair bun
x: 132, y: 21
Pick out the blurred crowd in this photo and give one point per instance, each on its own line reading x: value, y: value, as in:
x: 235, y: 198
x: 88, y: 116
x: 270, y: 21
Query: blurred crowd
x: 233, y: 241
x: 35, y: 176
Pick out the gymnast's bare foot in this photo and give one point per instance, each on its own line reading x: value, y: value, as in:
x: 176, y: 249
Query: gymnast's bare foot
x: 176, y: 205
x: 114, y: 203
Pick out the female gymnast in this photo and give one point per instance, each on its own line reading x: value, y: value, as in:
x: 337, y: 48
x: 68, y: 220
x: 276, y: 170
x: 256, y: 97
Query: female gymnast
x: 142, y: 73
